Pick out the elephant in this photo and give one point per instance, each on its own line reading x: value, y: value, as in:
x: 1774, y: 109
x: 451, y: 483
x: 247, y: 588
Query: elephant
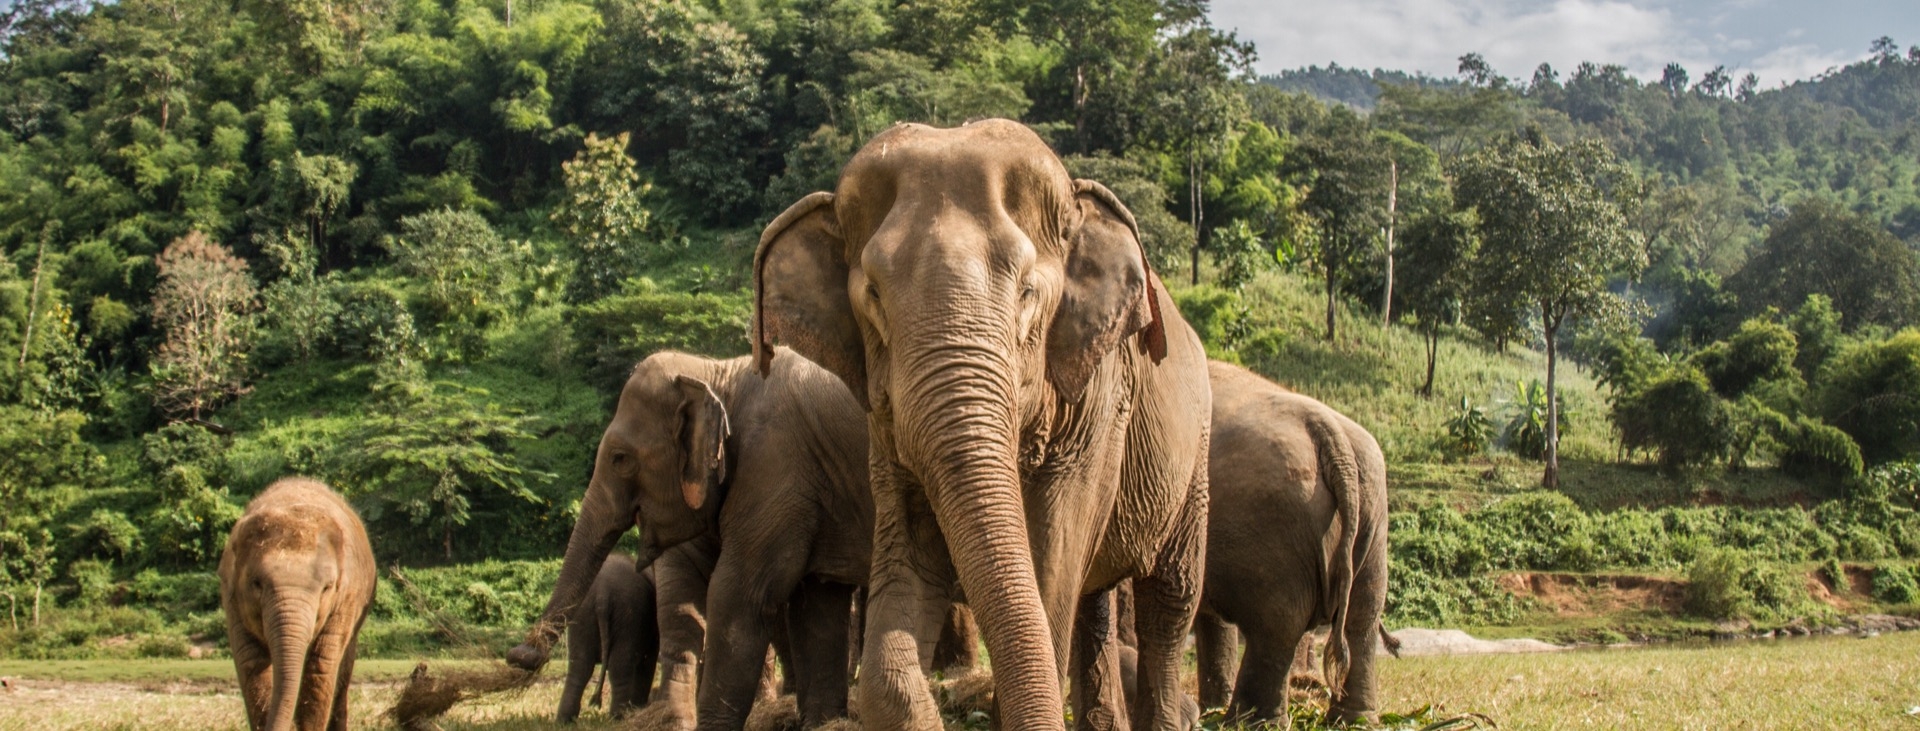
x: 297, y: 577
x: 703, y: 453
x: 615, y: 629
x: 1036, y: 408
x: 1297, y: 537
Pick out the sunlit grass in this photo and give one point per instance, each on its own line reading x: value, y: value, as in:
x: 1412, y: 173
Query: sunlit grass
x: 1829, y: 682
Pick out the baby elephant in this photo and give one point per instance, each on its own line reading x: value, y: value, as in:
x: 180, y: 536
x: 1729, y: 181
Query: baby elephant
x: 614, y: 628
x: 296, y: 580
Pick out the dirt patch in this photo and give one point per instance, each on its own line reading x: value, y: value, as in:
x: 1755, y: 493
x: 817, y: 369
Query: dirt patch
x: 1595, y: 595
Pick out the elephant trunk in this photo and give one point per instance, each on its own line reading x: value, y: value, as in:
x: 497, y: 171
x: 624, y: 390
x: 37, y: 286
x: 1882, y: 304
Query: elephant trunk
x: 958, y: 423
x: 602, y: 520
x: 289, y: 625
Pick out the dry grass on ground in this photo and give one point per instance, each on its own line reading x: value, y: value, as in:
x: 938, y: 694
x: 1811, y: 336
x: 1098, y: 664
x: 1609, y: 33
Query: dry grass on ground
x: 1837, y: 682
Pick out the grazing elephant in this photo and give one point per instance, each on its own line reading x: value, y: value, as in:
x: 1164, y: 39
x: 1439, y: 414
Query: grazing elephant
x: 703, y: 453
x: 615, y: 629
x: 296, y: 579
x: 1297, y: 537
x: 1036, y: 406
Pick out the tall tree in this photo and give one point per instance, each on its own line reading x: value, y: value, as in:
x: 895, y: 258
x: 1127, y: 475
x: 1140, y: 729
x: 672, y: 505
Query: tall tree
x: 1347, y: 173
x: 203, y: 303
x: 1821, y: 248
x: 1437, y: 252
x: 1552, y: 236
x: 603, y: 215
x: 1197, y: 103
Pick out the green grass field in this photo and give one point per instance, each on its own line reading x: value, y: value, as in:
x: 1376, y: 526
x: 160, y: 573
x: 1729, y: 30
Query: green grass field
x: 1827, y: 682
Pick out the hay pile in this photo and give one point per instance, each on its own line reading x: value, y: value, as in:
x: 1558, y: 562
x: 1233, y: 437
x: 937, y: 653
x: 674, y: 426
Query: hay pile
x: 426, y: 697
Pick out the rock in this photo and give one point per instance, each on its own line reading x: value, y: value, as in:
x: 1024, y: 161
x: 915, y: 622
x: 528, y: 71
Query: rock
x: 1417, y: 641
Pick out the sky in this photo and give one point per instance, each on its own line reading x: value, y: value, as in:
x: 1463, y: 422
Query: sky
x: 1779, y: 40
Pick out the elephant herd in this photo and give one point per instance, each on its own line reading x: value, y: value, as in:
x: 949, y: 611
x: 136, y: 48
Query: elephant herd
x: 987, y: 399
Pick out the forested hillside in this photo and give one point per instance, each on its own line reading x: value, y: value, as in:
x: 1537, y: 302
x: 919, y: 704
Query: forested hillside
x: 412, y: 247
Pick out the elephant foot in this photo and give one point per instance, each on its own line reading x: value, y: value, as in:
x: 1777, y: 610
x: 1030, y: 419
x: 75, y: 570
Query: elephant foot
x: 660, y: 717
x: 966, y: 693
x: 775, y: 714
x: 1341, y: 716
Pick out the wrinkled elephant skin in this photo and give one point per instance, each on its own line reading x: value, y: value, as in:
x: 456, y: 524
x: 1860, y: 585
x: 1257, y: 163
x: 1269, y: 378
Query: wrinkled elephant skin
x: 1037, y: 408
x: 613, y: 629
x: 296, y: 579
x: 702, y: 453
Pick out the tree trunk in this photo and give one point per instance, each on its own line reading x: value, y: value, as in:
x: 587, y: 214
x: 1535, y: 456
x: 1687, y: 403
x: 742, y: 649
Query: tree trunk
x: 1393, y: 195
x: 1332, y: 274
x: 1194, y: 187
x: 36, y: 605
x: 446, y: 538
x: 1433, y: 346
x: 1080, y: 106
x: 1551, y: 480
x: 33, y: 300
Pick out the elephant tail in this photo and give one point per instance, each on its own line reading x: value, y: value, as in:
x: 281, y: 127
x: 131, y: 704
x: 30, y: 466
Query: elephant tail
x: 1340, y: 472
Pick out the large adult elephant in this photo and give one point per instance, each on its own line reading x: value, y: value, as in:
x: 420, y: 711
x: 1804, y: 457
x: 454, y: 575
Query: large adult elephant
x: 703, y: 454
x: 1037, y: 409
x: 1297, y: 537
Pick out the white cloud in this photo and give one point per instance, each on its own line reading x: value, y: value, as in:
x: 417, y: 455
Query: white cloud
x: 1793, y: 63
x: 1430, y: 36
x: 1513, y: 35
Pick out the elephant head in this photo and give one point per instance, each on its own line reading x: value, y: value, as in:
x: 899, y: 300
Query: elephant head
x: 660, y: 464
x: 288, y: 584
x: 963, y: 286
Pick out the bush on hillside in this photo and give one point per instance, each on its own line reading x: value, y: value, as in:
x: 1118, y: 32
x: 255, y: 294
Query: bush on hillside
x: 1732, y: 584
x: 1895, y: 584
x: 1811, y: 448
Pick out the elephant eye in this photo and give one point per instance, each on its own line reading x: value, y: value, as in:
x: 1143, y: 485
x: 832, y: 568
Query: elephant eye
x: 1028, y: 292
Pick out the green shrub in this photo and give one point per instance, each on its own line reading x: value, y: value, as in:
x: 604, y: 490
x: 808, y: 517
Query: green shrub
x: 176, y: 593
x: 1813, y: 448
x: 1836, y: 574
x: 1469, y: 431
x: 614, y: 333
x: 92, y: 581
x: 1729, y: 584
x: 1429, y: 601
x: 1895, y: 584
x: 1678, y: 416
x: 1872, y: 392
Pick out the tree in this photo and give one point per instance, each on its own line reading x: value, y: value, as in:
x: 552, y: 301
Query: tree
x: 429, y: 452
x: 1674, y: 80
x: 1197, y: 103
x: 466, y: 268
x: 602, y: 214
x: 1436, y: 253
x: 203, y: 303
x: 1821, y: 248
x: 1551, y: 236
x: 1347, y: 178
x: 1872, y: 392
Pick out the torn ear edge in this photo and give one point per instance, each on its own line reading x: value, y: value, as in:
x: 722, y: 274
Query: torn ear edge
x: 705, y: 421
x: 762, y: 340
x: 1153, y: 338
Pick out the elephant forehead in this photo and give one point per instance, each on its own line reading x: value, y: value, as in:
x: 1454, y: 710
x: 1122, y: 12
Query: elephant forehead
x: 988, y: 169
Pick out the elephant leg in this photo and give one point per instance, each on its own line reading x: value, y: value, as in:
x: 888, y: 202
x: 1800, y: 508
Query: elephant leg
x: 1164, y: 604
x: 817, y: 627
x: 744, y: 602
x: 337, y: 721
x: 253, y: 664
x: 1216, y: 648
x: 901, y: 597
x: 1260, y: 693
x: 646, y: 642
x: 1358, y: 699
x: 622, y: 669
x: 320, y: 680
x: 680, y: 581
x: 959, y: 647
x: 1099, y: 697
x: 583, y: 653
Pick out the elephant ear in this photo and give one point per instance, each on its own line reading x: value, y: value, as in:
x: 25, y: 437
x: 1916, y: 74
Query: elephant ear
x: 703, y: 439
x: 1109, y: 292
x: 800, y: 293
